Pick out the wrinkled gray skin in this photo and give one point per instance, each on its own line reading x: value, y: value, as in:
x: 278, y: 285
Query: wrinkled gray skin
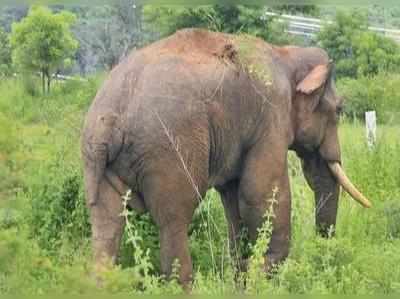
x: 186, y: 114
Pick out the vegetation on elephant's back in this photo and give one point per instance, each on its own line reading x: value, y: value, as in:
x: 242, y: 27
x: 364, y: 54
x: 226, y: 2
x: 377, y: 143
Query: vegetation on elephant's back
x: 249, y: 52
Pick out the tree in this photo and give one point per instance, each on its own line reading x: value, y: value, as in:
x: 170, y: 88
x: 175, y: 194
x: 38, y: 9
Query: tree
x: 5, y: 54
x: 375, y: 53
x: 356, y: 50
x: 310, y: 10
x: 110, y: 32
x: 43, y: 42
x: 225, y: 18
x: 338, y: 39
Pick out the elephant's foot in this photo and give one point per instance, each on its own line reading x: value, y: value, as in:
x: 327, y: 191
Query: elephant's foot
x: 272, y: 263
x: 99, y: 269
x: 175, y: 256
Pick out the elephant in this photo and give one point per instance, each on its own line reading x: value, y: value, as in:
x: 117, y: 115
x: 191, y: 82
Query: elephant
x: 200, y: 110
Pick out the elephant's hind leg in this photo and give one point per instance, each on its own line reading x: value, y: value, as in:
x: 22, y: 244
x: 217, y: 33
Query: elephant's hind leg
x: 171, y: 200
x: 107, y: 225
x: 230, y: 199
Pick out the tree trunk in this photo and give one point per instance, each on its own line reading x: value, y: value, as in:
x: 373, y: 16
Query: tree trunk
x: 47, y: 77
x: 48, y: 82
x: 43, y: 82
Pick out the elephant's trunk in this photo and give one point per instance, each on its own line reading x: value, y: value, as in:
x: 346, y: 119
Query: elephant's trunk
x: 347, y: 185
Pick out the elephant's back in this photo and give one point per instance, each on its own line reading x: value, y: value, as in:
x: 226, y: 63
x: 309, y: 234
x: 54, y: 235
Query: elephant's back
x: 195, y: 48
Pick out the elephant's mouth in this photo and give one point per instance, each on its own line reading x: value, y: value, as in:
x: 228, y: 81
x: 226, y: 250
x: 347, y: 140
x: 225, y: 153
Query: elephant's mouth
x: 341, y: 177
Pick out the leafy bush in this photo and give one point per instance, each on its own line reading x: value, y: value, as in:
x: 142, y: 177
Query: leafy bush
x: 58, y: 210
x: 355, y: 50
x: 391, y: 212
x: 379, y: 93
x: 5, y: 54
x: 226, y: 18
x: 9, y: 218
x: 8, y: 139
x: 375, y: 53
x: 9, y: 143
x: 30, y: 83
x: 45, y: 164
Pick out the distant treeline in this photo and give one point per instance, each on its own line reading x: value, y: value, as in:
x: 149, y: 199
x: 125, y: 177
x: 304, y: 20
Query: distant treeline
x: 107, y: 33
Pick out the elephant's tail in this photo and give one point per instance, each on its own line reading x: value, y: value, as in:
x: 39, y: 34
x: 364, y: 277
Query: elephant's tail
x: 98, y: 148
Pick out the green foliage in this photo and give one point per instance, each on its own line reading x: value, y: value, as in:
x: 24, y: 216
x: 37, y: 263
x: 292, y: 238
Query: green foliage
x: 337, y: 39
x: 168, y: 19
x: 355, y: 50
x: 43, y: 42
x: 375, y: 53
x: 9, y: 218
x: 5, y: 54
x: 39, y: 146
x: 8, y: 144
x: 379, y: 93
x: 26, y: 269
x: 8, y: 139
x: 142, y: 267
x: 208, y: 233
x: 146, y: 231
x: 58, y: 209
x: 257, y: 258
x: 305, y: 10
x: 224, y: 18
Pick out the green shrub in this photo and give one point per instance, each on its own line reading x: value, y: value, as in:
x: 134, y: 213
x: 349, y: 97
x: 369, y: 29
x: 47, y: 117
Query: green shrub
x: 149, y: 234
x: 8, y: 136
x: 225, y: 18
x: 379, y: 93
x: 68, y: 98
x: 9, y: 218
x: 391, y: 212
x: 9, y: 143
x: 30, y: 84
x: 58, y: 208
x: 356, y: 50
x: 5, y: 54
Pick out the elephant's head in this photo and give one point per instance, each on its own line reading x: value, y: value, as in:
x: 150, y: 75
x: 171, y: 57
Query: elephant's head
x: 315, y: 117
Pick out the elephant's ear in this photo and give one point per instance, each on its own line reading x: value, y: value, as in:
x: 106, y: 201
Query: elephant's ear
x: 315, y: 79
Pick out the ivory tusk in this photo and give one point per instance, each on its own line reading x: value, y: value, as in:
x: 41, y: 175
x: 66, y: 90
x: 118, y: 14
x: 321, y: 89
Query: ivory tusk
x: 347, y: 185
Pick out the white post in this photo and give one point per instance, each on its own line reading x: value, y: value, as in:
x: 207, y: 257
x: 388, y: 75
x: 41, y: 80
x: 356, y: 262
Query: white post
x: 370, y: 125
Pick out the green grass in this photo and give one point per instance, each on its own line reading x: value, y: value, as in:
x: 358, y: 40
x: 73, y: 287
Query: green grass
x: 44, y: 229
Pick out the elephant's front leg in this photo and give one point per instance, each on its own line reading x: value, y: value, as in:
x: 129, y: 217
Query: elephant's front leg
x: 265, y: 182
